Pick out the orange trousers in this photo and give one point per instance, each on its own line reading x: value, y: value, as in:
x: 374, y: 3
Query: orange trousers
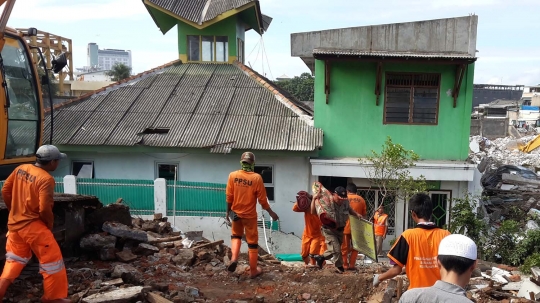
x: 312, y: 246
x: 349, y: 255
x: 250, y: 228
x: 37, y: 238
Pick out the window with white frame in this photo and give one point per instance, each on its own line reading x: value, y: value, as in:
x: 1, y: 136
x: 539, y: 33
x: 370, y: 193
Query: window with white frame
x: 82, y: 169
x: 267, y: 174
x: 167, y: 171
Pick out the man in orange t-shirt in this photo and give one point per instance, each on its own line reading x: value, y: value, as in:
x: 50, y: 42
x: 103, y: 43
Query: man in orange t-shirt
x: 313, y: 245
x: 28, y: 194
x: 358, y: 204
x: 380, y: 222
x: 244, y: 188
x: 417, y: 248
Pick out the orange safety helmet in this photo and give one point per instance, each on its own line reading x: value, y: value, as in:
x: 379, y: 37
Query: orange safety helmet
x: 248, y: 157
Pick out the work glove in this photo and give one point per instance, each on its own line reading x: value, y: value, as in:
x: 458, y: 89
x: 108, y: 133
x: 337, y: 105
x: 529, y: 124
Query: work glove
x: 376, y: 281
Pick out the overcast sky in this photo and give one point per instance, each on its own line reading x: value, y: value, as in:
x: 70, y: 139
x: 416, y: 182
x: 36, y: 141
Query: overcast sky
x: 508, y: 42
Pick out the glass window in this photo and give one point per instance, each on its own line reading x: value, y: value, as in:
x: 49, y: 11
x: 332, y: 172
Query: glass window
x: 167, y: 171
x: 267, y: 174
x: 207, y: 48
x: 193, y: 48
x: 412, y: 98
x: 24, y: 107
x: 82, y: 169
x: 222, y: 49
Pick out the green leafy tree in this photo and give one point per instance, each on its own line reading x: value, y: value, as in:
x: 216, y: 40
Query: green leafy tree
x: 464, y: 220
x: 301, y: 87
x: 119, y: 71
x: 389, y: 171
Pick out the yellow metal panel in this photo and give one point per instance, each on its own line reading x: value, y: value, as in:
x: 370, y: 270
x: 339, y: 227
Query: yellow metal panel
x: 183, y: 58
x: 532, y: 145
x: 363, y: 237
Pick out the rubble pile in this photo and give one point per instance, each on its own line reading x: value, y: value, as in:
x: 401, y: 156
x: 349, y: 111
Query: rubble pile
x: 503, y: 151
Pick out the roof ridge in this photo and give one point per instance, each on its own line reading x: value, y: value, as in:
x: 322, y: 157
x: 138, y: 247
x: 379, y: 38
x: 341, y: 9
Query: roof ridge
x: 204, y: 11
x: 301, y: 110
x: 112, y: 85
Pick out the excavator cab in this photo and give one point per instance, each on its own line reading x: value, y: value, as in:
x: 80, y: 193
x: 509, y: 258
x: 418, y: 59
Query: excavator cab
x: 21, y: 121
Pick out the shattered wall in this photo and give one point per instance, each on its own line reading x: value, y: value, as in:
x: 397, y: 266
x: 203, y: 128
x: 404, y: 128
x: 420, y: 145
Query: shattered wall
x: 490, y: 128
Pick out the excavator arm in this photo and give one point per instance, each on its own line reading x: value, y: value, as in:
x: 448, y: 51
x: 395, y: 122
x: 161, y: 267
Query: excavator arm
x: 6, y: 13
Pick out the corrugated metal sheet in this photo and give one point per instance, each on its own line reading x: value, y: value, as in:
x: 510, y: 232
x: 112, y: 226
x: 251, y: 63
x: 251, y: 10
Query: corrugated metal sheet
x: 268, y: 105
x: 197, y: 75
x: 272, y: 133
x: 352, y: 52
x: 152, y: 100
x: 241, y: 136
x: 200, y: 105
x: 183, y: 100
x: 97, y: 128
x: 215, y: 100
x: 202, y: 130
x: 175, y: 122
x: 128, y: 132
x: 304, y: 137
x: 66, y: 124
x: 192, y: 10
x: 218, y: 7
x: 245, y: 101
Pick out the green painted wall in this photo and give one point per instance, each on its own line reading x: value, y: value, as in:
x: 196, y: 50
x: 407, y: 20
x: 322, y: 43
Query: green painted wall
x: 353, y: 124
x: 227, y: 27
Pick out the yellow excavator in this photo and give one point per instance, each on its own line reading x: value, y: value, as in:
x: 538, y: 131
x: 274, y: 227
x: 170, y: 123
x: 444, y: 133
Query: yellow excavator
x: 21, y: 121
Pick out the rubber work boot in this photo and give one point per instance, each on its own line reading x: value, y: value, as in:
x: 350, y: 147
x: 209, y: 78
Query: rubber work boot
x: 253, y: 268
x: 352, y: 260
x: 320, y: 261
x: 4, y: 284
x: 235, y: 250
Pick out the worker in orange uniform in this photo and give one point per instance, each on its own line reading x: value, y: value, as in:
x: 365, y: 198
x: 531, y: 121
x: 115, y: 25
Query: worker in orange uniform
x: 244, y: 188
x: 358, y: 204
x: 28, y: 194
x: 313, y: 245
x: 417, y: 247
x: 380, y: 221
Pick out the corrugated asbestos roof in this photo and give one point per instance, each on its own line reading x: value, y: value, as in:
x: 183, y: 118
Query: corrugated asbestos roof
x: 216, y: 106
x: 352, y: 52
x: 199, y: 11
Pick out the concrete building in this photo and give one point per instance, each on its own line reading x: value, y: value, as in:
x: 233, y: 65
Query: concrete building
x: 486, y: 93
x: 190, y: 120
x: 106, y: 58
x: 410, y: 81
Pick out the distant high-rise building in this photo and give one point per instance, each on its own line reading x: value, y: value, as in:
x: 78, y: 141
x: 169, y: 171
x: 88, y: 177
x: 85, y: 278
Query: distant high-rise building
x: 106, y: 58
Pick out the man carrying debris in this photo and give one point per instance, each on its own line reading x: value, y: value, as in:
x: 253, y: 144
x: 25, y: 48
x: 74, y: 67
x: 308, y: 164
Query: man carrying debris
x: 334, y: 235
x: 28, y: 194
x: 380, y: 221
x: 244, y: 188
x: 456, y: 262
x: 358, y: 204
x: 312, y: 239
x: 417, y: 247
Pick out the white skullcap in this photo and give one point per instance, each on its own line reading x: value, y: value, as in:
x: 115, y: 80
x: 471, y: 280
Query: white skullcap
x: 459, y: 246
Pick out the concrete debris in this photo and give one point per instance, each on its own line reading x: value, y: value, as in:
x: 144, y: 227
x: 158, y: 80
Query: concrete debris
x: 116, y: 296
x: 126, y: 256
x: 123, y: 231
x: 113, y: 212
x: 503, y: 151
x: 97, y: 241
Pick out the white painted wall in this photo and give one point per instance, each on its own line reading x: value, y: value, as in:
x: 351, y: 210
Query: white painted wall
x: 291, y: 174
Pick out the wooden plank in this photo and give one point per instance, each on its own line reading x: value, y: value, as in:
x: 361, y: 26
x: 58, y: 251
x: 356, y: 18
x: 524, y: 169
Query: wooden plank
x: 161, y: 240
x: 155, y: 298
x: 208, y: 244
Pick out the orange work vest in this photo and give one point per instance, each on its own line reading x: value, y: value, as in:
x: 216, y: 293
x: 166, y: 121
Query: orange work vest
x: 380, y: 223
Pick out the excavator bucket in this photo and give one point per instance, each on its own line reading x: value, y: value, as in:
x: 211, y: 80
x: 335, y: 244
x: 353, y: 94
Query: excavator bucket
x: 532, y: 145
